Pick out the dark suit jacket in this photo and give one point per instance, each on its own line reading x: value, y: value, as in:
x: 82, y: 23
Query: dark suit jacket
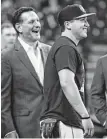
x: 99, y: 90
x: 21, y: 92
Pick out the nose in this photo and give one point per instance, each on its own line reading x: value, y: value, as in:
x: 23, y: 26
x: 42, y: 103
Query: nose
x: 87, y: 24
x: 37, y: 24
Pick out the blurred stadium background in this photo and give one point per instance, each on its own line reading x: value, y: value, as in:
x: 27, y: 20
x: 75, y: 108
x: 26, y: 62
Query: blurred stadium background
x: 94, y: 46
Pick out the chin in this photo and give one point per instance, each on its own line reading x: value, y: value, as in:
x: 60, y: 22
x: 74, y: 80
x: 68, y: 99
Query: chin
x: 84, y: 35
x: 37, y: 38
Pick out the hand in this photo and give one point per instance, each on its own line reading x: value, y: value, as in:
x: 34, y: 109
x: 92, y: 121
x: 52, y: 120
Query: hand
x: 12, y: 134
x: 47, y: 126
x: 88, y: 127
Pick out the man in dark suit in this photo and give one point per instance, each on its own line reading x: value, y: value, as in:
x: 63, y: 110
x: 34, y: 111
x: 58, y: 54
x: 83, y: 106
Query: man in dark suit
x: 22, y: 71
x: 99, y: 91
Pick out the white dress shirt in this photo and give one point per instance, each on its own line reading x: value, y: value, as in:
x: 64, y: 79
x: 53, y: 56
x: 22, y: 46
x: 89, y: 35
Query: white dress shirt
x: 34, y: 55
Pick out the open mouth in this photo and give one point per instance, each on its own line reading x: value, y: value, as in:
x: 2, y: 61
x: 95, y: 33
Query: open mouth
x: 35, y: 31
x: 85, y: 29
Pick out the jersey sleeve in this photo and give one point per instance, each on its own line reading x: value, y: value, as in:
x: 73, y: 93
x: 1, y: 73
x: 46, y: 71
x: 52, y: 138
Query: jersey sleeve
x: 66, y: 58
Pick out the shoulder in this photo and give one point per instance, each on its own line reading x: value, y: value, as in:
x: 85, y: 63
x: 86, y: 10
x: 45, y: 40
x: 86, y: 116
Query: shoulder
x: 64, y: 43
x: 63, y: 40
x: 45, y: 47
x: 102, y: 63
x: 102, y: 59
x: 66, y: 50
x: 7, y: 53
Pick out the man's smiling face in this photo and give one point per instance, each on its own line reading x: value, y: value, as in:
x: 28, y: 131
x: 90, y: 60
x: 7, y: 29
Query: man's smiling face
x: 30, y: 26
x: 80, y: 27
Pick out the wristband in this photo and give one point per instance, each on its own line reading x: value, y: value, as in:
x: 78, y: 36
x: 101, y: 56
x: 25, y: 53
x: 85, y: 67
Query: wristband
x: 85, y: 117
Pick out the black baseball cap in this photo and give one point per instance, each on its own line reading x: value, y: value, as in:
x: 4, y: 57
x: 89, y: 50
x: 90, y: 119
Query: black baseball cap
x: 71, y: 12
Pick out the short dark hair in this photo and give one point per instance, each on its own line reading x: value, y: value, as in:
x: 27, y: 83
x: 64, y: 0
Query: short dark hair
x: 17, y: 14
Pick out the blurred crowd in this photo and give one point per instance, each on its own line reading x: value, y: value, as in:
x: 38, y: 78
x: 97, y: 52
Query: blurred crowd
x: 48, y: 9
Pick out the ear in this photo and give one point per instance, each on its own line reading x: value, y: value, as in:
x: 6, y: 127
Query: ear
x: 18, y: 27
x: 67, y: 25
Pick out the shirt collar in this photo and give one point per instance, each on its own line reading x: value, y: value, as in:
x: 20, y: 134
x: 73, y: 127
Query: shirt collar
x: 26, y: 46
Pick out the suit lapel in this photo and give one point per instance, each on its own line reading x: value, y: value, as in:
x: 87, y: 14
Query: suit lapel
x: 42, y: 56
x: 25, y: 60
x: 44, y: 53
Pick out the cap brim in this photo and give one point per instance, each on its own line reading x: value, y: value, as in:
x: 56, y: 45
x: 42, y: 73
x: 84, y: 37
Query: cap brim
x: 85, y: 15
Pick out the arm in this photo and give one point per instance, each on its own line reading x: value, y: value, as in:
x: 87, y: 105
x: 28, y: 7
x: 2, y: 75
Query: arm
x: 6, y: 78
x: 71, y: 91
x: 72, y: 94
x: 98, y: 97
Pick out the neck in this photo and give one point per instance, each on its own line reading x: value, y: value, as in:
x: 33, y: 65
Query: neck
x: 70, y: 35
x: 28, y: 42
